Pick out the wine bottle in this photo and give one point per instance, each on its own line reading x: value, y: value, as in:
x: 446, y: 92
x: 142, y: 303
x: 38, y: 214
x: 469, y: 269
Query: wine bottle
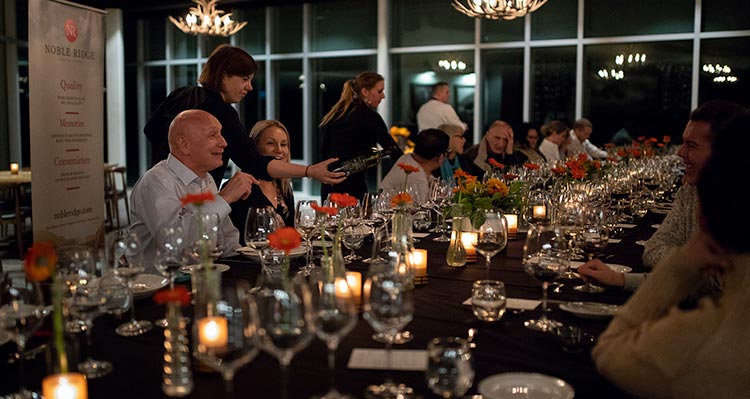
x: 361, y: 162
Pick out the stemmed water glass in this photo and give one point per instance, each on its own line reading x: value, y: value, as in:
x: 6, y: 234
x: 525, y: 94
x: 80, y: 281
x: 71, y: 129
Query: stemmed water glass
x: 592, y: 239
x: 388, y: 308
x: 353, y: 236
x: 334, y: 316
x: 128, y: 263
x: 86, y: 303
x: 224, y: 332
x: 282, y: 313
x: 22, y: 311
x: 305, y: 222
x: 492, y: 236
x: 171, y: 255
x: 449, y: 370
x: 260, y: 223
x: 545, y: 257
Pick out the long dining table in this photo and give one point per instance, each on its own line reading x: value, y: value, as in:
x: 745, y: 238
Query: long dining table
x: 502, y: 346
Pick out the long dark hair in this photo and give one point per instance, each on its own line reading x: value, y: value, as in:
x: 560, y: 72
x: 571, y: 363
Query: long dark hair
x: 226, y: 60
x: 350, y: 94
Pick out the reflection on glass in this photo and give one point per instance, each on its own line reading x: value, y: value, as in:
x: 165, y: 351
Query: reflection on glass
x: 336, y: 25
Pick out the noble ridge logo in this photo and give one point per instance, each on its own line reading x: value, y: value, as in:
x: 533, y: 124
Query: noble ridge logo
x: 71, y: 30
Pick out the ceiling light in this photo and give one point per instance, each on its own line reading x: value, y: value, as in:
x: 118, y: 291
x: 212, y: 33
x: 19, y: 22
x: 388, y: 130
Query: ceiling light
x: 205, y: 19
x: 497, y: 9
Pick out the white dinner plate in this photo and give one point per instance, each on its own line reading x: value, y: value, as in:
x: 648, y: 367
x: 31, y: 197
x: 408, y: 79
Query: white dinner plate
x: 147, y: 284
x: 254, y: 255
x: 589, y: 310
x: 220, y: 267
x: 524, y: 385
x: 613, y: 266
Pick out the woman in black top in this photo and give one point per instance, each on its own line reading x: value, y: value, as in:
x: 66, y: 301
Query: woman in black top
x: 353, y: 127
x: 271, y: 139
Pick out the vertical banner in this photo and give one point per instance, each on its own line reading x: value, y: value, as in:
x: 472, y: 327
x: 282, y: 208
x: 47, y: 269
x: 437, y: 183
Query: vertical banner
x: 66, y: 84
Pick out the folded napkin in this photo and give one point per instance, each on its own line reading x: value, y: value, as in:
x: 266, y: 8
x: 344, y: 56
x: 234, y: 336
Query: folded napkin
x: 401, y: 359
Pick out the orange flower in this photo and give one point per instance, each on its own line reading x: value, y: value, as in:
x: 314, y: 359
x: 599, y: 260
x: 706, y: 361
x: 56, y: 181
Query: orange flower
x: 329, y: 210
x: 610, y: 159
x: 285, y: 239
x: 401, y: 199
x: 597, y: 164
x: 495, y: 164
x: 179, y: 294
x: 666, y: 139
x: 197, y: 199
x: 641, y: 138
x: 460, y: 174
x: 40, y: 261
x: 636, y: 153
x: 660, y: 145
x: 510, y: 176
x: 578, y: 173
x: 530, y: 165
x: 621, y: 152
x: 558, y: 169
x: 497, y: 186
x: 652, y: 140
x: 343, y: 200
x: 609, y: 145
x: 408, y: 168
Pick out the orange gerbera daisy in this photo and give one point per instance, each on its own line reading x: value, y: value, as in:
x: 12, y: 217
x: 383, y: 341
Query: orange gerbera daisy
x: 285, y: 239
x: 343, y: 200
x: 179, y: 294
x: 460, y: 174
x: 197, y: 199
x: 666, y: 139
x: 495, y: 164
x: 530, y: 165
x: 408, y: 168
x: 329, y: 210
x: 40, y: 261
x: 401, y: 199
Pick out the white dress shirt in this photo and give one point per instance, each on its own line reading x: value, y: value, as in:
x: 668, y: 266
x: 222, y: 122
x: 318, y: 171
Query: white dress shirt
x: 576, y: 147
x: 434, y: 113
x: 418, y: 183
x: 155, y: 205
x: 550, y: 150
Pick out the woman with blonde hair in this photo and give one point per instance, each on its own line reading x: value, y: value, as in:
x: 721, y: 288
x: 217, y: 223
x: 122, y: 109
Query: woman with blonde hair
x: 556, y: 135
x: 271, y: 139
x: 353, y: 127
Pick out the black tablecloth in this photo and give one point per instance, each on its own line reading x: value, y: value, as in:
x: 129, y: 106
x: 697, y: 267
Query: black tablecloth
x: 503, y: 346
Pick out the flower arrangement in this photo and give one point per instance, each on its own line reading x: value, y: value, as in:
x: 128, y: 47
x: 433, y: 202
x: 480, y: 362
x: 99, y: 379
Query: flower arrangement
x: 401, y: 200
x: 530, y: 166
x: 285, y: 239
x: 341, y: 200
x: 474, y: 196
x: 408, y: 169
x: 580, y: 168
x: 401, y: 136
x: 39, y: 265
x: 642, y: 147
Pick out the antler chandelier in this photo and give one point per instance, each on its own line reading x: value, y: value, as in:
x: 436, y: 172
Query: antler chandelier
x: 496, y: 9
x: 205, y: 19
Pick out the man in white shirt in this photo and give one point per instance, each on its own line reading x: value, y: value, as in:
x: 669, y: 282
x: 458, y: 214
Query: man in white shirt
x: 430, y: 148
x: 195, y: 148
x: 579, y: 141
x: 437, y: 111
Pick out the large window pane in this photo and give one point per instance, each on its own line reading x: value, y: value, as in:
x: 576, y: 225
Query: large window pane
x: 288, y: 106
x: 725, y: 15
x: 183, y: 45
x: 718, y: 82
x: 252, y: 37
x: 637, y: 17
x: 424, y: 22
x: 328, y: 77
x: 183, y: 75
x: 287, y: 29
x: 156, y: 92
x: 338, y: 25
x: 414, y: 75
x: 556, y: 19
x: 502, y: 30
x: 154, y: 42
x: 650, y: 98
x: 503, y: 86
x: 4, y: 131
x: 553, y: 84
x: 211, y: 42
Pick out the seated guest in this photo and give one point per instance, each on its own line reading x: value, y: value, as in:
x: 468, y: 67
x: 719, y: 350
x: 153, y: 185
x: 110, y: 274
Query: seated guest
x: 555, y: 139
x: 652, y: 348
x: 430, y: 147
x: 496, y: 144
x: 271, y: 139
x: 580, y: 144
x: 455, y: 158
x: 195, y: 149
x: 527, y: 143
x: 681, y: 222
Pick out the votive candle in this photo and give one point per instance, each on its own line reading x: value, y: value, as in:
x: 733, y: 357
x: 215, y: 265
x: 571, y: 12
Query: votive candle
x: 65, y: 386
x: 14, y: 168
x: 354, y: 279
x: 468, y: 239
x: 512, y: 225
x: 212, y: 332
x: 540, y: 211
x: 419, y: 262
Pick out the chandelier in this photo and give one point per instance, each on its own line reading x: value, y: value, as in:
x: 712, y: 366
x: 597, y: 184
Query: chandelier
x: 496, y: 9
x: 205, y: 19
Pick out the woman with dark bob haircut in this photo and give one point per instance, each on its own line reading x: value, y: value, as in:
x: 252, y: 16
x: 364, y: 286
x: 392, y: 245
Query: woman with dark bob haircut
x: 226, y: 79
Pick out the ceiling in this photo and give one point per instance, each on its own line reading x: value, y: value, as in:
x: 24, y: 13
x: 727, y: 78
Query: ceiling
x: 152, y: 5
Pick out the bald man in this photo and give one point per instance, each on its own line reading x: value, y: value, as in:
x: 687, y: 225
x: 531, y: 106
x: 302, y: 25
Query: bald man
x: 195, y: 148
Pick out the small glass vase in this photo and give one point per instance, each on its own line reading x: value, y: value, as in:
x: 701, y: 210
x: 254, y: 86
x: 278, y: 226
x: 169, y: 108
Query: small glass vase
x: 177, y: 377
x: 401, y: 230
x: 456, y: 254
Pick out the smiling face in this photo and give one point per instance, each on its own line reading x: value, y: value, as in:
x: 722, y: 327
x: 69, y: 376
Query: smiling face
x: 273, y: 142
x: 373, y: 96
x: 695, y: 149
x: 234, y: 88
x: 195, y: 139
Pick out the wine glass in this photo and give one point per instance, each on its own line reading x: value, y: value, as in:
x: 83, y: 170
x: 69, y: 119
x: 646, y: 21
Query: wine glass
x: 334, y: 316
x: 592, y: 239
x: 282, y: 313
x: 22, y: 311
x: 570, y: 220
x: 421, y: 219
x: 170, y: 257
x: 305, y: 222
x: 545, y: 257
x: 353, y: 236
x: 449, y: 370
x: 86, y: 303
x: 224, y: 332
x: 388, y: 308
x: 260, y: 223
x: 492, y: 236
x: 380, y: 236
x: 210, y: 239
x: 128, y: 263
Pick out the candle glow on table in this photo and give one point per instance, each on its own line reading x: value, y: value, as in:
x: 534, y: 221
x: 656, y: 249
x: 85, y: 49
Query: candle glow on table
x: 468, y: 239
x: 14, y: 168
x: 212, y: 332
x: 419, y: 262
x: 354, y: 279
x: 512, y: 225
x: 540, y: 211
x: 65, y: 386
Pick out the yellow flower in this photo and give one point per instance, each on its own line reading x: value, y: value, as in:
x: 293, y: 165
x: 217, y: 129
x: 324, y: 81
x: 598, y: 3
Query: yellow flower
x: 497, y: 186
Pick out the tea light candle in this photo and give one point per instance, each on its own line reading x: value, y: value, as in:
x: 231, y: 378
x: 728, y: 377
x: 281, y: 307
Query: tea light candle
x: 419, y: 262
x: 512, y: 225
x: 14, y: 168
x: 468, y: 239
x: 65, y: 386
x: 540, y: 211
x: 212, y: 332
x: 354, y: 279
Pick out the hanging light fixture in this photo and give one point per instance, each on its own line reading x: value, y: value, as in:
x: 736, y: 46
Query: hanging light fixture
x: 205, y: 19
x: 497, y: 9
